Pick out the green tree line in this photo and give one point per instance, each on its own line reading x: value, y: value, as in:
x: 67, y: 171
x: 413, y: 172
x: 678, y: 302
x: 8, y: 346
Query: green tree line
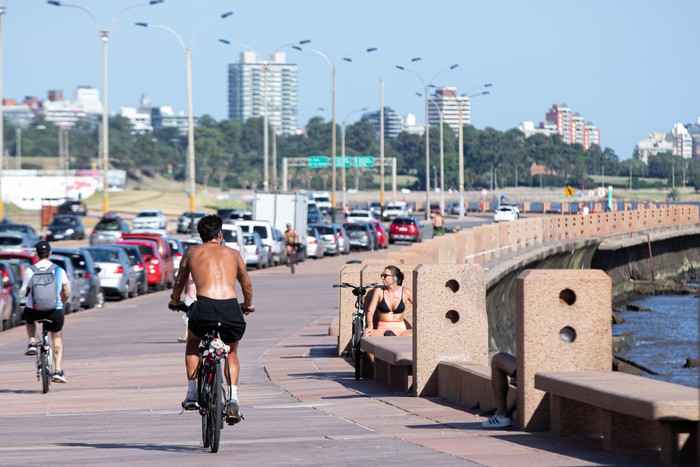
x: 229, y: 154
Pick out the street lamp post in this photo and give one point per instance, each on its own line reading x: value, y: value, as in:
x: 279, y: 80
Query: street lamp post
x: 3, y: 10
x: 427, y: 128
x: 190, y: 111
x: 342, y: 153
x: 461, y: 147
x: 104, y: 37
x: 442, y: 157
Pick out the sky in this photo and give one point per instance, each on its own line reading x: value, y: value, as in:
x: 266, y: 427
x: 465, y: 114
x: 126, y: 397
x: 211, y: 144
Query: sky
x: 628, y: 66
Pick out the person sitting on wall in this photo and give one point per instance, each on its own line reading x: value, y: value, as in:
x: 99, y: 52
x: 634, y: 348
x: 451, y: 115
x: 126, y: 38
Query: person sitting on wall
x: 389, y: 302
x: 503, y: 366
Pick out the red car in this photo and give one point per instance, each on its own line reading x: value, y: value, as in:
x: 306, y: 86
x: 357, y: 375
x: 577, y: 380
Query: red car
x: 382, y: 235
x: 157, y: 275
x: 405, y: 228
x: 164, y: 250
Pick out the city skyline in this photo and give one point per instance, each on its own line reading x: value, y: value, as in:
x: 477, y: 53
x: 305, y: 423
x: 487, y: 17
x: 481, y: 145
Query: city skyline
x: 610, y: 62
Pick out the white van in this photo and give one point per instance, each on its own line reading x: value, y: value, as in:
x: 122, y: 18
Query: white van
x: 268, y: 237
x: 323, y: 201
x: 233, y: 236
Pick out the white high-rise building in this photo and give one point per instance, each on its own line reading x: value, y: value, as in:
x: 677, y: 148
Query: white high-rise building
x: 447, y: 101
x: 247, y: 89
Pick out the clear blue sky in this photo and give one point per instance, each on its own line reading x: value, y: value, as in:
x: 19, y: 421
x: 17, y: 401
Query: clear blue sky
x: 629, y: 66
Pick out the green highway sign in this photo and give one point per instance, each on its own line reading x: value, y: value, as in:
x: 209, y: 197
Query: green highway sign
x: 339, y: 161
x: 364, y: 161
x: 318, y: 162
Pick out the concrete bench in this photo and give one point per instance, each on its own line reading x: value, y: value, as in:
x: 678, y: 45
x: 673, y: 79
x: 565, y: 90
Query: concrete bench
x: 393, y: 359
x: 630, y: 411
x: 469, y: 385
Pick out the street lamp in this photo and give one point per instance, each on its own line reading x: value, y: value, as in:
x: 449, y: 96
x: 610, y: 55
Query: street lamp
x: 266, y: 158
x: 104, y: 36
x: 427, y: 128
x: 442, y: 155
x: 381, y: 125
x: 342, y: 153
x: 3, y: 9
x: 190, y: 112
x: 333, y: 129
x: 461, y: 145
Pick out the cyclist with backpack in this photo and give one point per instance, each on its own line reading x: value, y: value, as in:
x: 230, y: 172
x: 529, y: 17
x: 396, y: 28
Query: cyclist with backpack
x: 47, y: 288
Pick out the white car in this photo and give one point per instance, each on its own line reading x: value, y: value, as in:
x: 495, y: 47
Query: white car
x: 150, y: 219
x: 395, y: 208
x: 360, y: 215
x: 233, y: 236
x: 505, y: 213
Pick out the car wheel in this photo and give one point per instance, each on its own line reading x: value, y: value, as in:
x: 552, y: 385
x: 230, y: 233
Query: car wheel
x: 100, y: 299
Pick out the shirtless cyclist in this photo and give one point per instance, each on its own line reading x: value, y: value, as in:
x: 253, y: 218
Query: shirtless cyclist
x: 293, y: 245
x: 215, y: 269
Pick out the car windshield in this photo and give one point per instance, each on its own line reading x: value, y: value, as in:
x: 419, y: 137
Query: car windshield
x: 230, y: 236
x: 323, y: 199
x: 110, y: 225
x: 77, y: 260
x: 61, y: 221
x: 356, y: 227
x: 146, y: 250
x: 105, y: 256
x: 10, y: 240
x: 325, y: 230
x: 147, y: 214
x: 14, y: 228
x: 261, y: 230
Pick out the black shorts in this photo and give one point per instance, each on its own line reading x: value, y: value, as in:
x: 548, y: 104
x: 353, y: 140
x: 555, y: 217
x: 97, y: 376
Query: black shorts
x: 225, y: 316
x: 30, y: 315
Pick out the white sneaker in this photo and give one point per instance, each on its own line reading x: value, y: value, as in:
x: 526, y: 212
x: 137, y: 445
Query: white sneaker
x: 497, y: 421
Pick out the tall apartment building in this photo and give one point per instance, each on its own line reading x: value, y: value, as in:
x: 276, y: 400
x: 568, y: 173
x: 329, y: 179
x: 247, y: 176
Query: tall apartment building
x: 251, y: 79
x: 572, y: 127
x: 678, y: 142
x: 446, y: 101
x: 393, y: 124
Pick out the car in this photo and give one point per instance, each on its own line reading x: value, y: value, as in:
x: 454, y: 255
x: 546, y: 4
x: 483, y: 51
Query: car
x: 265, y: 230
x: 137, y: 264
x: 91, y: 295
x: 10, y: 309
x: 188, y: 242
x: 393, y: 209
x: 329, y: 236
x: 177, y: 251
x: 375, y: 207
x: 65, y: 227
x: 184, y: 221
x: 229, y: 215
x: 405, y: 228
x: 313, y: 215
x: 256, y: 253
x: 22, y: 228
x: 360, y: 215
x: 453, y: 208
x: 343, y: 241
x: 233, y: 236
x: 158, y: 275
x: 73, y: 303
x: 323, y: 201
x: 150, y: 219
x: 19, y: 261
x: 435, y: 208
x: 382, y: 235
x: 110, y: 229
x: 314, y: 245
x: 167, y: 262
x: 16, y: 241
x: 362, y: 235
x: 73, y: 206
x: 116, y: 275
x: 505, y: 213
x: 281, y: 245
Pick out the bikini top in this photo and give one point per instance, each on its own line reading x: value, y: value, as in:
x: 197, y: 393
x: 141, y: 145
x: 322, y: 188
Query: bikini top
x: 384, y: 307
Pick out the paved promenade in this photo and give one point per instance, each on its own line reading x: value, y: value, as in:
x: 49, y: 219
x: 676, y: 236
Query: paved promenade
x: 126, y: 380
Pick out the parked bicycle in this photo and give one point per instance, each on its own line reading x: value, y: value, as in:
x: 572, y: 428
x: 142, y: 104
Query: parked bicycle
x: 44, y: 357
x: 359, y: 324
x: 212, y: 388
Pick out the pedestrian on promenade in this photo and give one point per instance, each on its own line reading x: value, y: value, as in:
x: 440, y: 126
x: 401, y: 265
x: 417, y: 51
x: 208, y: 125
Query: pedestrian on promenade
x: 215, y: 268
x: 48, y: 277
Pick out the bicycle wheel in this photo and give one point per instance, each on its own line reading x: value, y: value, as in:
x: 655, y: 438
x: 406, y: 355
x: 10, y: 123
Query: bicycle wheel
x: 203, y: 386
x: 356, y: 349
x: 45, y: 361
x: 292, y: 261
x: 215, y: 408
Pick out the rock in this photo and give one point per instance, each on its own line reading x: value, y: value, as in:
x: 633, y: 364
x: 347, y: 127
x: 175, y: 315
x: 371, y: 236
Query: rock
x: 632, y: 307
x: 617, y: 319
x: 691, y: 363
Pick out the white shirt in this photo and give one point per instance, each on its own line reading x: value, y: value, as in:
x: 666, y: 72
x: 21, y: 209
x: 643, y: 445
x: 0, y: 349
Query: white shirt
x: 61, y: 278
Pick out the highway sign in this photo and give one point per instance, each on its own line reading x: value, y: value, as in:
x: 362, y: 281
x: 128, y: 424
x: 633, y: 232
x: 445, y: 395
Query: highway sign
x: 339, y: 161
x: 318, y: 162
x: 364, y: 161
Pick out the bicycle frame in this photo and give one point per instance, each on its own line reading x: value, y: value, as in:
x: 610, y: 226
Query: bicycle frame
x: 44, y: 373
x: 213, y: 359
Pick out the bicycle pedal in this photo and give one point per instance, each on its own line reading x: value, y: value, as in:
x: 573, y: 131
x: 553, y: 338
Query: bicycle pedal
x: 234, y: 420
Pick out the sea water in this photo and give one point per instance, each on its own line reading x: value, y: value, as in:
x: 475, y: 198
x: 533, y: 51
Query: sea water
x: 664, y: 337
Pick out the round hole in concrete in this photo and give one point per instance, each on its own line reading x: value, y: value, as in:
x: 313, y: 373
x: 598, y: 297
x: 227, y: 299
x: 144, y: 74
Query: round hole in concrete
x: 453, y: 285
x: 568, y: 296
x: 453, y: 316
x: 567, y: 334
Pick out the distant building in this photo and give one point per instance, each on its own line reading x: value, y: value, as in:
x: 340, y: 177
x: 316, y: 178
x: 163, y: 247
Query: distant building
x: 446, y: 101
x: 694, y: 131
x: 251, y: 79
x: 20, y: 114
x: 410, y: 125
x: 528, y: 128
x: 393, y: 125
x: 679, y: 142
x: 85, y: 105
x: 572, y: 127
x: 141, y: 117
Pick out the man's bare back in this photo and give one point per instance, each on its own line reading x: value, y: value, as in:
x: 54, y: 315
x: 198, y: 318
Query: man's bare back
x: 215, y: 269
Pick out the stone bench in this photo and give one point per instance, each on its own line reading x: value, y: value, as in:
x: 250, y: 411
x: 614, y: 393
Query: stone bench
x: 393, y: 359
x: 469, y: 385
x: 629, y: 411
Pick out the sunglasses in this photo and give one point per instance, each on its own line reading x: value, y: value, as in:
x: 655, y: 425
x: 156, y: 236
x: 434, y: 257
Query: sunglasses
x: 384, y: 276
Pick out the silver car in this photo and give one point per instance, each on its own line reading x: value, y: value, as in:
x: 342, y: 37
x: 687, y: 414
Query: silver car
x: 109, y: 229
x: 256, y: 253
x: 314, y: 245
x: 329, y: 237
x: 66, y: 264
x: 150, y: 219
x: 117, y: 277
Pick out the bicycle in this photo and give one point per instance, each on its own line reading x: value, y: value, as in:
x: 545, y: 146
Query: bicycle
x: 293, y: 255
x: 359, y: 323
x: 44, y: 358
x: 213, y: 393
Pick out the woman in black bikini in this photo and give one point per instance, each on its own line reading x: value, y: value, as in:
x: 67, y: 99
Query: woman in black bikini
x: 390, y: 303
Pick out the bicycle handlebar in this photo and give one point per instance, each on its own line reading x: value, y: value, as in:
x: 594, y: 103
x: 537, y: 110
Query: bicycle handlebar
x: 357, y: 289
